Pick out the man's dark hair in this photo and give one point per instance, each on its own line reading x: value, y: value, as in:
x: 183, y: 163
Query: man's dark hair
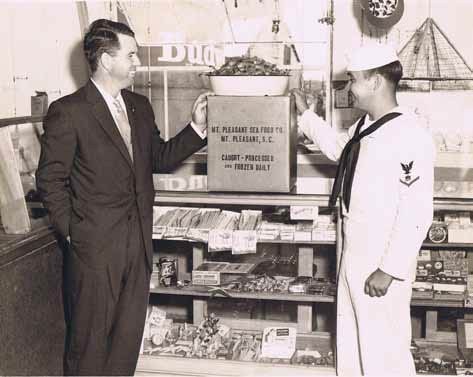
x: 391, y: 72
x: 102, y: 37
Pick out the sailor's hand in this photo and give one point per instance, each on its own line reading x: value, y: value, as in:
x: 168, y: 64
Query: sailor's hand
x: 300, y: 100
x: 378, y: 283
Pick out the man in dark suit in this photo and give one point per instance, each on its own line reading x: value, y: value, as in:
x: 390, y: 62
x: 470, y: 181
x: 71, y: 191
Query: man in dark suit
x: 99, y: 149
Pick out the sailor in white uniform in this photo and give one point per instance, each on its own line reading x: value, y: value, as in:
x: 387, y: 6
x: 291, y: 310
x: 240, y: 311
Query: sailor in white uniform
x: 385, y: 184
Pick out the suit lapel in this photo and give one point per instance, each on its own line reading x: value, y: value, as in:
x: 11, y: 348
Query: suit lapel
x: 105, y: 119
x: 131, y: 113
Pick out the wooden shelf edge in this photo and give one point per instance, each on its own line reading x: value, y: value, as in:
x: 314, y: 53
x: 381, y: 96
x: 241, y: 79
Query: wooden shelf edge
x: 437, y: 303
x: 259, y: 242
x: 207, y: 367
x: 447, y: 245
x: 454, y: 160
x: 453, y: 204
x: 423, y: 342
x: 5, y: 122
x: 242, y: 198
x: 295, y: 297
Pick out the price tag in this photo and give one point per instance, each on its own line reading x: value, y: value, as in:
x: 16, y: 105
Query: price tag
x: 244, y: 242
x: 158, y: 231
x: 198, y: 234
x: 304, y: 212
x: 175, y: 232
x: 303, y: 235
x: 278, y: 342
x: 220, y: 240
x: 469, y: 335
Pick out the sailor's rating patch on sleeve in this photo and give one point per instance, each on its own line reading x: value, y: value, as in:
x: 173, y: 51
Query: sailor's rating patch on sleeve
x: 408, y: 176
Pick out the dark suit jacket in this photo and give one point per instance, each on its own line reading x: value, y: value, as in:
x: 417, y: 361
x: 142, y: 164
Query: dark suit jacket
x: 87, y: 180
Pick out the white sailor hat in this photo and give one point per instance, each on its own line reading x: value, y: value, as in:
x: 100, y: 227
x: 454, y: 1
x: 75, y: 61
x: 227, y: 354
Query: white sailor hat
x: 371, y: 55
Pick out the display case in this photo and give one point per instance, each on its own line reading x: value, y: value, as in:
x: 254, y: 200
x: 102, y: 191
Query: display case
x: 315, y: 323
x: 442, y: 293
x: 261, y: 299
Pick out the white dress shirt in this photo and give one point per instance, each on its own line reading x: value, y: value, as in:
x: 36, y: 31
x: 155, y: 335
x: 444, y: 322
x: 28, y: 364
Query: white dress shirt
x: 109, y: 100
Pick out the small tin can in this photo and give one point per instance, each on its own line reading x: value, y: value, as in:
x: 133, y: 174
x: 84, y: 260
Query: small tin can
x: 167, y: 272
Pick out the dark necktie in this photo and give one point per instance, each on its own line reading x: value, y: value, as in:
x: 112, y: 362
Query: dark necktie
x: 349, y: 158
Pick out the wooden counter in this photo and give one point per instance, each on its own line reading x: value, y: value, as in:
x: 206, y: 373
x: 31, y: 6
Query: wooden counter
x: 31, y: 306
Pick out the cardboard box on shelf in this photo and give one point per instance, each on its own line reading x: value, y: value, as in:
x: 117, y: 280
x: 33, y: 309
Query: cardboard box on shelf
x: 251, y: 144
x: 39, y: 103
x: 460, y: 233
x: 216, y: 273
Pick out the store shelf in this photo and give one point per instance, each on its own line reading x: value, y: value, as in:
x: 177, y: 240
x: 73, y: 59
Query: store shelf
x: 259, y: 242
x: 450, y: 204
x: 260, y: 199
x: 298, y: 242
x: 454, y: 160
x: 5, y: 122
x: 204, y: 292
x: 436, y: 303
x: 447, y: 245
x: 294, y: 297
x: 177, y: 366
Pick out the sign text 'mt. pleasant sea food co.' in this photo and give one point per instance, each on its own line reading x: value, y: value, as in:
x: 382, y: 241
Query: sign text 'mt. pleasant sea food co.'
x: 248, y: 134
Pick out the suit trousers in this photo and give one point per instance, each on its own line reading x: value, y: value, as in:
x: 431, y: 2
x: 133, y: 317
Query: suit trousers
x: 106, y: 309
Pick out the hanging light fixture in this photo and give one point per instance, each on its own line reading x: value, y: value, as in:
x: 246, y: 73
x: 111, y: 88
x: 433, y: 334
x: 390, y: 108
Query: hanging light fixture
x: 275, y: 28
x: 276, y: 19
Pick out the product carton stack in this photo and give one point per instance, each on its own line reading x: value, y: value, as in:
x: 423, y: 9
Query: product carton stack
x: 441, y: 275
x: 460, y: 227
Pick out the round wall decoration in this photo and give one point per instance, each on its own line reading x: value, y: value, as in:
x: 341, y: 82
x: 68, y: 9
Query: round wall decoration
x: 383, y: 13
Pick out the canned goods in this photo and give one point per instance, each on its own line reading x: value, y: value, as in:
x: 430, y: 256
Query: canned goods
x: 167, y: 269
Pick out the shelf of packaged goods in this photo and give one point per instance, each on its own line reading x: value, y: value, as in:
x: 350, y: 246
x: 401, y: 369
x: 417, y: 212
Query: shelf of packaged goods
x: 209, y: 292
x: 179, y: 366
x: 304, y: 304
x: 222, y: 198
